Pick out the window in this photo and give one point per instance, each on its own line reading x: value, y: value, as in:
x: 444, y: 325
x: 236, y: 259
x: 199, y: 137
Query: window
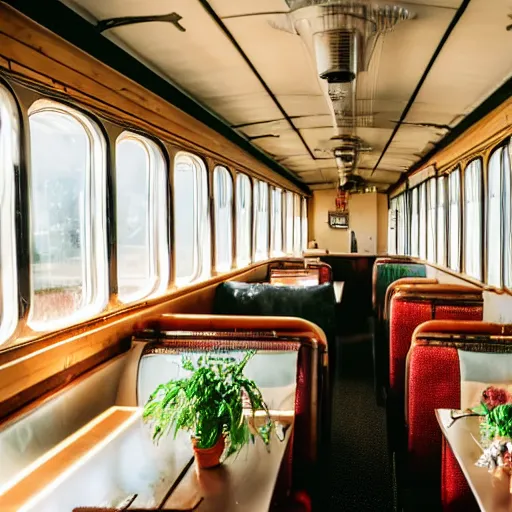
x: 296, y: 225
x: 454, y: 220
x: 431, y: 220
x: 67, y: 217
x: 473, y: 219
x: 392, y: 226
x: 401, y: 224
x: 441, y: 220
x: 507, y: 216
x: 422, y: 192
x: 276, y: 241
x: 223, y: 207
x: 304, y: 244
x: 494, y: 218
x: 288, y: 219
x: 9, y: 160
x: 243, y: 220
x: 261, y: 220
x: 191, y: 219
x: 142, y: 232
x: 415, y: 247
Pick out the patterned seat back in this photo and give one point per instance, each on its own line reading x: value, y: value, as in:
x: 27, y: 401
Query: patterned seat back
x: 413, y: 304
x: 448, y: 366
x: 385, y: 272
x: 381, y: 339
x: 289, y: 366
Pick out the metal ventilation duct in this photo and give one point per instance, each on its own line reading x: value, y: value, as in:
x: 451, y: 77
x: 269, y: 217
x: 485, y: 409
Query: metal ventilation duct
x: 345, y: 32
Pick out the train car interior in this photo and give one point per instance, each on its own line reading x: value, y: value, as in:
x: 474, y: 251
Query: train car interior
x: 256, y: 255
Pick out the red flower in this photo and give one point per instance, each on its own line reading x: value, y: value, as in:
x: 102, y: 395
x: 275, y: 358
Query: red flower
x: 492, y: 397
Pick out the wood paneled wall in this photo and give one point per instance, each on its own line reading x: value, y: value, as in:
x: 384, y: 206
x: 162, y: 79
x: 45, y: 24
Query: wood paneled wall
x: 33, y: 54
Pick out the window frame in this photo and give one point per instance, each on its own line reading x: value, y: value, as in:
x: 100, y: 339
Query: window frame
x: 414, y: 241
x: 261, y: 214
x: 497, y: 151
x: 458, y: 269
x: 506, y: 203
x: 98, y: 295
x: 442, y: 191
x: 431, y: 192
x: 229, y: 204
x: 297, y: 224
x: 276, y: 216
x: 202, y: 231
x: 477, y: 164
x: 240, y: 263
x: 422, y: 220
x: 158, y: 229
x: 304, y: 223
x: 9, y: 235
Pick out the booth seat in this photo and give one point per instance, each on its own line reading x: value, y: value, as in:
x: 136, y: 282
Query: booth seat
x: 410, y: 306
x: 448, y: 366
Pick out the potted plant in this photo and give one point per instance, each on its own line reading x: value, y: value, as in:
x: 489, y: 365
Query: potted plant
x: 210, y: 404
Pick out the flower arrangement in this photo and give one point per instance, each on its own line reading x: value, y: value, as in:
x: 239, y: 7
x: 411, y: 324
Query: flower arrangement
x: 210, y: 405
x: 495, y: 428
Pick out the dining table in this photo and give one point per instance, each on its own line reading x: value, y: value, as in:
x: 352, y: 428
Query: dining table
x: 491, y: 489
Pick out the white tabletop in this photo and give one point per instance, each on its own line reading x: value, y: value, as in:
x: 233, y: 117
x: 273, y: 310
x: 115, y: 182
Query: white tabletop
x: 493, y: 491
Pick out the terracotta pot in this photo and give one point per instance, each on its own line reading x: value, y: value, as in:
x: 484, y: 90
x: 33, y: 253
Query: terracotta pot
x: 209, y: 457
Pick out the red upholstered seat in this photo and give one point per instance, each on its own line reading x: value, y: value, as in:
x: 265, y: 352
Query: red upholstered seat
x: 413, y: 304
x: 433, y: 382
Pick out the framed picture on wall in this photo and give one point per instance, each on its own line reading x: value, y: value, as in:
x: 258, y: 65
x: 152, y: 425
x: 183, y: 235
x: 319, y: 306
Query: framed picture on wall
x: 338, y: 220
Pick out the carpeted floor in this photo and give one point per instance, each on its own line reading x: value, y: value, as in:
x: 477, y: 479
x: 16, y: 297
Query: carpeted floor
x: 360, y: 474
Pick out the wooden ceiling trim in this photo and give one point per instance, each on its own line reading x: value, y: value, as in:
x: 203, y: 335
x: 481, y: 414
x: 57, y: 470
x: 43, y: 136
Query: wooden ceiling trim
x: 37, y: 54
x: 490, y: 130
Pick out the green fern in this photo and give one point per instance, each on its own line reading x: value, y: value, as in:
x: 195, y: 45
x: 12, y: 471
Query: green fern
x: 497, y: 422
x: 208, y: 403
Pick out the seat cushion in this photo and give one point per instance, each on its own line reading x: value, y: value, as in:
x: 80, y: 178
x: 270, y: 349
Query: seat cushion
x: 313, y: 303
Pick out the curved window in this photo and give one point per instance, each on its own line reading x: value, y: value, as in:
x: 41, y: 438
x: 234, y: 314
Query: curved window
x: 422, y: 192
x: 454, y: 220
x: 441, y: 220
x: 392, y: 226
x: 142, y: 233
x: 288, y: 220
x: 431, y: 220
x: 401, y: 224
x: 9, y: 161
x: 223, y: 208
x: 243, y: 220
x: 191, y: 219
x: 415, y: 234
x: 304, y: 244
x: 276, y: 242
x: 68, y: 216
x: 473, y: 219
x: 261, y: 220
x: 494, y: 218
x: 297, y: 231
x: 507, y: 216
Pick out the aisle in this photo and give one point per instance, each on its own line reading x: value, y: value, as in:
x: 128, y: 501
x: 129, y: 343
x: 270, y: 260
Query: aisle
x: 360, y: 476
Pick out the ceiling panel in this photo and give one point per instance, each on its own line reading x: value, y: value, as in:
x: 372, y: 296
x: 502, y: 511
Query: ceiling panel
x: 204, y: 62
x: 226, y: 8
x: 475, y: 61
x: 290, y: 70
x: 407, y: 50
